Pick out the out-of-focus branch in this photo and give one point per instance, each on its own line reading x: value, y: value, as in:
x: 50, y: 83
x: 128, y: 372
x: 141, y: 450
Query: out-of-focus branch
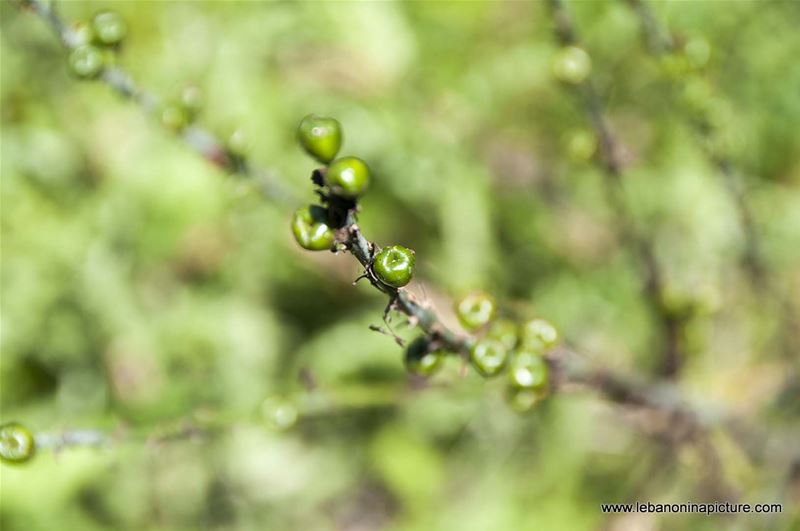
x: 57, y: 441
x: 660, y: 43
x: 200, y: 140
x: 672, y: 325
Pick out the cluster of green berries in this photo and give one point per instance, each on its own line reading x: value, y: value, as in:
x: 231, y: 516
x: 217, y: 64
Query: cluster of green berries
x: 16, y: 443
x: 93, y: 48
x: 344, y: 180
x: 504, y: 345
x: 95, y: 44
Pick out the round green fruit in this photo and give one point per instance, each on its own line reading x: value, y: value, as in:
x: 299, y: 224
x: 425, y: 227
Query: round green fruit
x: 16, y: 443
x: 538, y: 335
x: 86, y: 61
x: 523, y: 400
x: 320, y: 136
x: 581, y: 145
x: 394, y: 266
x: 488, y: 357
x: 192, y: 101
x: 420, y: 359
x: 279, y: 412
x: 109, y: 28
x: 572, y: 65
x: 82, y: 33
x: 476, y: 310
x: 238, y: 142
x: 698, y: 52
x: 348, y: 177
x: 311, y: 230
x: 504, y: 331
x: 174, y: 117
x: 529, y: 370
x: 675, y: 66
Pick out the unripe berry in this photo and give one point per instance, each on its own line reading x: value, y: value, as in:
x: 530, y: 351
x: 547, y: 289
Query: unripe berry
x: 581, y: 145
x: 522, y: 400
x: 394, y: 266
x: 698, y: 52
x: 238, y: 142
x: 174, y: 117
x: 280, y: 413
x: 192, y: 101
x: 572, y: 65
x: 488, y: 357
x: 504, y: 331
x: 16, y: 443
x: 538, y: 335
x: 420, y: 359
x: 109, y: 28
x: 476, y: 310
x: 675, y: 66
x: 320, y: 136
x: 529, y: 370
x: 698, y: 95
x: 86, y: 61
x: 348, y: 177
x: 82, y: 33
x: 311, y: 229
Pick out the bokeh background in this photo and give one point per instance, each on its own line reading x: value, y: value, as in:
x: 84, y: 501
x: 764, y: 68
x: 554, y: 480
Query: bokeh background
x: 150, y: 296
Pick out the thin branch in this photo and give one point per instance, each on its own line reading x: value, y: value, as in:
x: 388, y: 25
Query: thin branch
x: 57, y: 441
x: 658, y: 40
x: 200, y: 140
x: 672, y: 325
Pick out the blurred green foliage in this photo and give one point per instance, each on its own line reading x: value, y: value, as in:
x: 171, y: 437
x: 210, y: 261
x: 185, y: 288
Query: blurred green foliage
x: 141, y: 287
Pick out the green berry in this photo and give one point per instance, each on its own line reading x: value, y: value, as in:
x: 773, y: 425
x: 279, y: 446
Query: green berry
x: 86, y: 61
x: 420, y: 359
x: 698, y: 95
x: 504, y: 331
x: 488, y: 356
x: 238, y: 142
x: 82, y: 33
x: 394, y: 266
x: 698, y: 52
x: 16, y: 443
x: 674, y: 66
x: 348, y: 177
x: 311, y: 229
x: 476, y: 310
x: 320, y: 136
x: 109, y: 28
x: 538, y: 335
x: 280, y: 413
x: 528, y: 370
x: 572, y: 65
x: 192, y: 101
x: 522, y: 400
x: 581, y: 145
x: 174, y: 117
